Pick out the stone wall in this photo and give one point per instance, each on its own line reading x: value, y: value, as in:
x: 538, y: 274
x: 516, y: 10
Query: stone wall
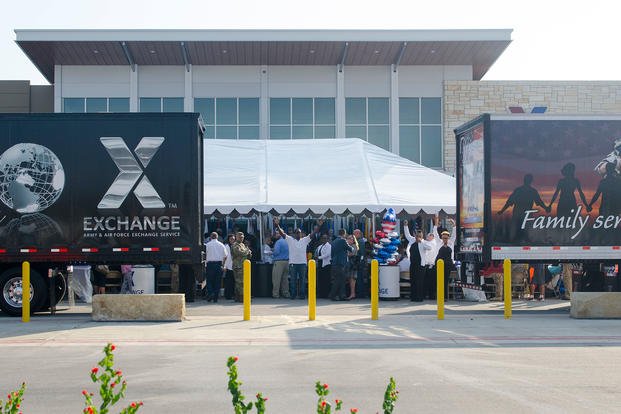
x: 465, y: 100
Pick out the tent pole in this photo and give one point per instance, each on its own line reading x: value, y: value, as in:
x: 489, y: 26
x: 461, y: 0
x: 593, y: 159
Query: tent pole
x: 373, y: 225
x: 260, y: 226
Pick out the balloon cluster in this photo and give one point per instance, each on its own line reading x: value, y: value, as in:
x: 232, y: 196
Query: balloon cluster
x: 386, y: 242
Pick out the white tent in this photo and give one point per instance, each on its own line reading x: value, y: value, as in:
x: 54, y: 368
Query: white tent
x: 334, y: 175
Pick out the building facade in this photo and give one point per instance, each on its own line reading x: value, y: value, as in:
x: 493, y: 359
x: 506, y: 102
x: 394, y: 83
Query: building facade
x: 385, y: 87
x: 20, y: 96
x: 404, y: 91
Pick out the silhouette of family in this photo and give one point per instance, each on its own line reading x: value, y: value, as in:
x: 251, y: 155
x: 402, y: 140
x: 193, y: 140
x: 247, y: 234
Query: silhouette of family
x: 524, y: 197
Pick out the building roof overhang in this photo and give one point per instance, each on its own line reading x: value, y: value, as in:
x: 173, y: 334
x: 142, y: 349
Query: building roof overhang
x: 476, y: 48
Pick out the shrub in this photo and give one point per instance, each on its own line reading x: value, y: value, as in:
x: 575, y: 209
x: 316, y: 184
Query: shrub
x: 238, y: 396
x: 322, y: 390
x: 390, y: 397
x: 13, y: 401
x: 112, y: 386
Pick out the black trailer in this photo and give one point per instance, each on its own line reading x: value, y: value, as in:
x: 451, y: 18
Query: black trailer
x: 96, y: 188
x: 538, y: 187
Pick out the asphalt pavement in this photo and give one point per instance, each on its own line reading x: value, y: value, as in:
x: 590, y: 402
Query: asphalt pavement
x: 474, y: 360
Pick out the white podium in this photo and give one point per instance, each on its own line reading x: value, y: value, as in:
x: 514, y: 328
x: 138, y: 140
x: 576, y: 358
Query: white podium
x: 144, y: 279
x: 389, y: 283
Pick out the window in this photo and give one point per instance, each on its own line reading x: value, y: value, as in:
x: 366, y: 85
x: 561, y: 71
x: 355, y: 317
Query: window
x: 172, y: 104
x: 229, y: 118
x: 95, y: 105
x: 368, y: 119
x: 161, y: 104
x: 420, y: 130
x: 74, y: 105
x: 302, y: 118
x: 118, y: 105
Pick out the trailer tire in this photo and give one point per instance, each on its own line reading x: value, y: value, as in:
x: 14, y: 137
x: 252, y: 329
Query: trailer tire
x: 11, y: 301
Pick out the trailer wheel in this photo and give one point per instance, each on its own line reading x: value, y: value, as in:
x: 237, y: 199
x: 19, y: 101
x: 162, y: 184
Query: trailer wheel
x: 11, y: 291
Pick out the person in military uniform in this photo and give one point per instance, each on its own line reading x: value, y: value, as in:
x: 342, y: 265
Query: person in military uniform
x: 239, y: 253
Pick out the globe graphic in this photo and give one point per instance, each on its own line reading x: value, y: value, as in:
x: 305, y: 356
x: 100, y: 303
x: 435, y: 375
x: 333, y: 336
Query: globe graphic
x: 31, y: 178
x: 31, y: 229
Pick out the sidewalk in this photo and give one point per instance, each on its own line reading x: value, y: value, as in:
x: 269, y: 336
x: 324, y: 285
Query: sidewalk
x: 356, y: 307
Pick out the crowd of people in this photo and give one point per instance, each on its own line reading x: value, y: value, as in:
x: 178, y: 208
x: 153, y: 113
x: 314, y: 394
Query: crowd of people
x: 342, y: 262
x: 423, y: 254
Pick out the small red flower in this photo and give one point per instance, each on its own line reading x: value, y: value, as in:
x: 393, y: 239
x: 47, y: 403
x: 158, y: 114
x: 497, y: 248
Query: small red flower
x: 354, y: 410
x: 337, y: 401
x: 325, y: 386
x: 113, y: 385
x: 140, y: 403
x: 84, y: 392
x: 235, y: 359
x: 133, y: 405
x: 112, y: 347
x: 118, y: 373
x: 95, y: 370
x: 323, y: 403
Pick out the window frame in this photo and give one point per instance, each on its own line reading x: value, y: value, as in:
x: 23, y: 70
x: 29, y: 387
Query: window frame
x: 368, y: 124
x: 239, y: 127
x: 420, y: 126
x: 84, y: 101
x: 292, y: 126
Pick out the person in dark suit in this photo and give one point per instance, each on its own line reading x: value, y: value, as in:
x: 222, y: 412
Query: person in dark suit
x: 446, y: 253
x: 417, y: 266
x: 339, y: 260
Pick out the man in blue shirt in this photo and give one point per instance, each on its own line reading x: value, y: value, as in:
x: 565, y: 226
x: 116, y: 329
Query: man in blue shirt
x: 338, y: 260
x: 280, y: 267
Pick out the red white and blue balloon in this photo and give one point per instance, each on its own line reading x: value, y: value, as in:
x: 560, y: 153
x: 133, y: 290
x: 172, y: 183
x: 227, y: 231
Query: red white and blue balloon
x: 386, y: 241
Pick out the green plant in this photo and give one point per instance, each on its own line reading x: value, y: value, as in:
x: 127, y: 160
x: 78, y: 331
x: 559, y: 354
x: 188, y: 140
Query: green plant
x: 112, y: 386
x: 323, y: 405
x: 390, y: 397
x: 13, y: 401
x: 238, y: 398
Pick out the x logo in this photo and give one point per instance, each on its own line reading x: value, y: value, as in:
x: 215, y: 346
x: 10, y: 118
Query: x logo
x: 130, y: 172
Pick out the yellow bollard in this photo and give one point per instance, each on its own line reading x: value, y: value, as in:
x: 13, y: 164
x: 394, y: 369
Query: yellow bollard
x: 507, y: 288
x: 25, y: 292
x: 247, y: 290
x: 312, y: 289
x: 374, y: 289
x: 440, y: 292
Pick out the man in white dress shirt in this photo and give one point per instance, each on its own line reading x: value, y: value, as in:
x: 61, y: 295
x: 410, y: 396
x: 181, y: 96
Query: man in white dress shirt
x: 216, y: 256
x: 323, y: 253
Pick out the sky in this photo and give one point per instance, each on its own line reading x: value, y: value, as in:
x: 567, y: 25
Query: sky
x: 551, y: 40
